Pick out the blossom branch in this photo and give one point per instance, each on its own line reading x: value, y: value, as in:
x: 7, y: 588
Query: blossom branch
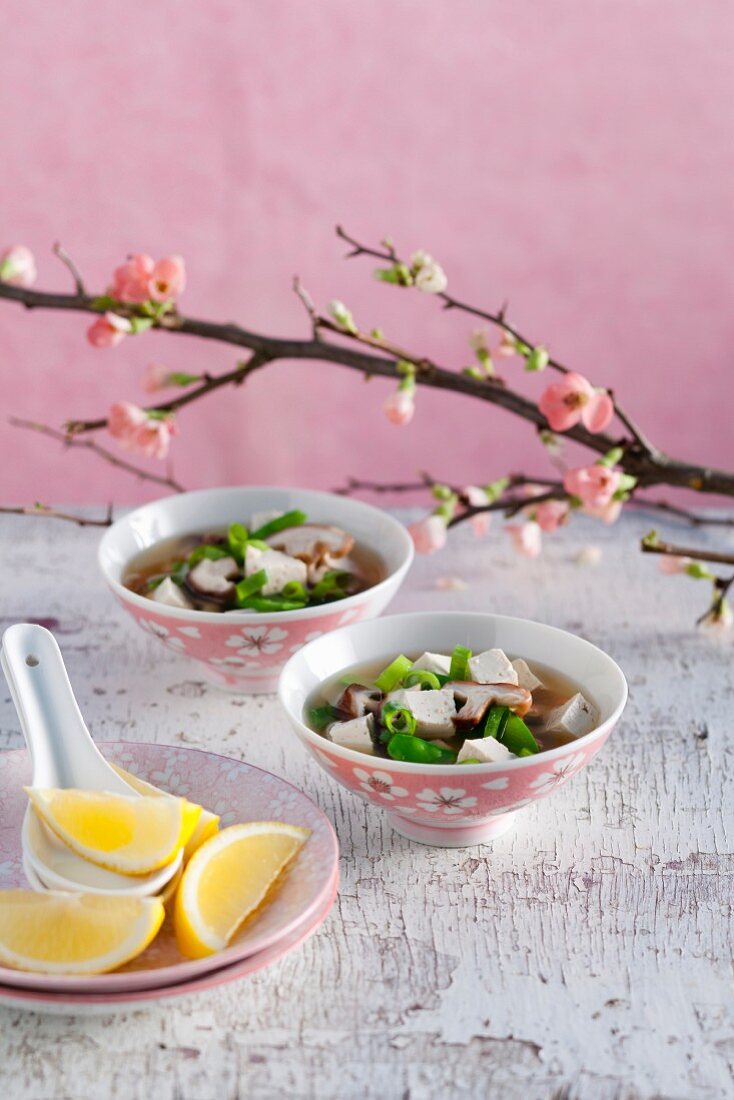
x: 63, y: 255
x: 653, y: 545
x: 39, y: 509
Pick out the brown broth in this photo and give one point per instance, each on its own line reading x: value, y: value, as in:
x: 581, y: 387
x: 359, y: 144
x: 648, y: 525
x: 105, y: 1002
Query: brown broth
x: 161, y: 558
x: 556, y: 691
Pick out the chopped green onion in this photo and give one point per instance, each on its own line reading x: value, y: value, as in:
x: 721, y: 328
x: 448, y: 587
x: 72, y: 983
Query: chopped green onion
x: 496, y: 722
x: 321, y: 717
x: 251, y: 586
x: 258, y: 544
x: 442, y: 678
x: 294, y: 590
x: 391, y: 676
x: 331, y: 583
x: 272, y: 603
x: 416, y: 751
x: 459, y: 669
x: 526, y: 752
x: 469, y: 760
x: 213, y: 553
x: 516, y: 736
x: 237, y: 540
x: 290, y: 519
x: 427, y: 680
x: 398, y: 719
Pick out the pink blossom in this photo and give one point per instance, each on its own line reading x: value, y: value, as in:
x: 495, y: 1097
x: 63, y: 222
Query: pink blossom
x: 168, y: 279
x: 156, y: 377
x: 135, y: 430
x: 551, y: 514
x: 108, y: 331
x: 526, y: 537
x: 507, y: 345
x: 130, y: 282
x: 428, y: 534
x: 451, y: 584
x: 18, y: 266
x: 672, y: 564
x: 594, y: 485
x: 572, y: 399
x: 607, y: 513
x: 399, y: 407
x: 477, y: 498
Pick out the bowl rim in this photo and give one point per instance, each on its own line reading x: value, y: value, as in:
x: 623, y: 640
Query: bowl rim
x: 404, y: 766
x: 232, y: 618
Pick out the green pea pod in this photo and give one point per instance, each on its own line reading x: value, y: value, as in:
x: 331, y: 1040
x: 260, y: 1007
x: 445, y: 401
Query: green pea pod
x: 414, y: 750
x: 290, y: 519
x: 214, y: 553
x: 496, y: 722
x: 516, y: 736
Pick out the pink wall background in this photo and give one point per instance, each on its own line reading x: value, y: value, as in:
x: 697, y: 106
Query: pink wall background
x: 576, y: 158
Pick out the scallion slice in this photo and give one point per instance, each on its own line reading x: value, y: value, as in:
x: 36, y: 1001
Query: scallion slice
x: 290, y: 519
x: 398, y: 719
x: 213, y: 553
x: 459, y: 669
x: 294, y: 590
x: 237, y: 541
x: 427, y: 680
x: 391, y: 676
x: 250, y: 586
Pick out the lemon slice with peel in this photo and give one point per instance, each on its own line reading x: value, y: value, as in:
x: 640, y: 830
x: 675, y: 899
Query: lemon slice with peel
x: 56, y: 933
x: 205, y: 826
x: 227, y: 879
x: 132, y: 835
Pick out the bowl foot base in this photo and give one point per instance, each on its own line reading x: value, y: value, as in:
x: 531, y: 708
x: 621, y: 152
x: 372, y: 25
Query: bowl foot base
x: 452, y: 836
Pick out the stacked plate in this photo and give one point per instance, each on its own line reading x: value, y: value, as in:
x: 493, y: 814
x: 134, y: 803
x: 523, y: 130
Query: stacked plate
x: 237, y: 792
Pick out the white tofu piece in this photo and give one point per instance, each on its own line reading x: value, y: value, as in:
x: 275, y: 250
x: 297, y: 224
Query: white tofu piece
x: 355, y: 734
x: 259, y: 519
x: 169, y: 593
x: 492, y: 667
x: 433, y: 711
x: 576, y: 717
x: 526, y: 678
x: 487, y: 750
x: 433, y: 662
x: 280, y: 568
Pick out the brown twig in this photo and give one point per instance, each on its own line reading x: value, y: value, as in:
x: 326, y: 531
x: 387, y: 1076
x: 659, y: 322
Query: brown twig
x: 693, y: 552
x: 47, y: 512
x: 63, y: 255
x: 168, y: 481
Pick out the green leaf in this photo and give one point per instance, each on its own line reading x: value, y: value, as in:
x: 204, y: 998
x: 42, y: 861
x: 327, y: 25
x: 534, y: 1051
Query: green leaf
x: 495, y: 489
x: 651, y: 539
x: 611, y: 458
x: 699, y: 571
x: 181, y: 378
x: 141, y: 324
x: 537, y: 359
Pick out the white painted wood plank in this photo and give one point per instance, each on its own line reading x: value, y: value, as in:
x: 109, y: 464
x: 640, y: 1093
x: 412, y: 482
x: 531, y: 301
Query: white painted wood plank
x: 587, y: 955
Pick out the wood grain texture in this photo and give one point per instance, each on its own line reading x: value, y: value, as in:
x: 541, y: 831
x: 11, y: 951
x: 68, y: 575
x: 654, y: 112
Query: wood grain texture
x: 586, y: 956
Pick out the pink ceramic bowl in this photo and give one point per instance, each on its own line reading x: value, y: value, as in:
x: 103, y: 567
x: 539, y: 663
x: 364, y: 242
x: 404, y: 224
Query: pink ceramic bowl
x: 245, y: 651
x: 453, y: 805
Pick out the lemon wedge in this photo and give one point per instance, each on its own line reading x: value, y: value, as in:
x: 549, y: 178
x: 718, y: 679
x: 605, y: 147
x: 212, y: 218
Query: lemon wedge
x: 227, y: 879
x: 132, y: 835
x: 205, y: 825
x: 56, y: 933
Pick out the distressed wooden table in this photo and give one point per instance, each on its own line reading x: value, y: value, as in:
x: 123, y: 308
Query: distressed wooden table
x: 586, y: 955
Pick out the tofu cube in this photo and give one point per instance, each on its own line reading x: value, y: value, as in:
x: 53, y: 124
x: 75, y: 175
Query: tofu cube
x: 487, y: 750
x: 280, y: 568
x: 433, y: 662
x: 576, y: 717
x: 526, y: 678
x: 492, y: 667
x: 433, y: 711
x: 356, y: 734
x: 169, y: 593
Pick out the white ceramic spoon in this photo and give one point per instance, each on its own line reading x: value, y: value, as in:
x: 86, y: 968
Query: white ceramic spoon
x: 63, y: 755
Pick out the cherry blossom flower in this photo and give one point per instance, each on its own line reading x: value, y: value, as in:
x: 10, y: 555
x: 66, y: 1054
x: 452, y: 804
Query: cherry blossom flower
x: 672, y: 564
x: 594, y: 485
x: 478, y: 498
x: 451, y: 584
x: 551, y: 514
x: 130, y: 281
x: 156, y: 377
x: 607, y: 513
x: 526, y: 537
x: 135, y: 430
x: 507, y: 345
x: 168, y: 279
x: 399, y: 406
x: 428, y: 534
x: 574, y: 399
x: 108, y: 331
x: 589, y: 555
x: 428, y: 275
x: 18, y: 266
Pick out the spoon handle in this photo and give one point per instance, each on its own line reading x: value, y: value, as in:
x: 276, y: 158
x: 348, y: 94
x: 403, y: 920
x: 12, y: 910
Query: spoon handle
x: 61, y: 748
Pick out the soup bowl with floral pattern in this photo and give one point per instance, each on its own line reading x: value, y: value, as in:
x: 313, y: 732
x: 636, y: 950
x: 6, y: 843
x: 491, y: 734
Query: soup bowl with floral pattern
x: 244, y: 651
x: 452, y: 805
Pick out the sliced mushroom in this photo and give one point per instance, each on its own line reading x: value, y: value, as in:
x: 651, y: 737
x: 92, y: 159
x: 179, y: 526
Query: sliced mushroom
x: 213, y: 578
x: 478, y: 698
x: 357, y: 700
x: 312, y: 542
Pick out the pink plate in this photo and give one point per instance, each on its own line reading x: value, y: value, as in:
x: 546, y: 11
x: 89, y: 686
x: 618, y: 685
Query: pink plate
x: 232, y: 789
x: 88, y: 1004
